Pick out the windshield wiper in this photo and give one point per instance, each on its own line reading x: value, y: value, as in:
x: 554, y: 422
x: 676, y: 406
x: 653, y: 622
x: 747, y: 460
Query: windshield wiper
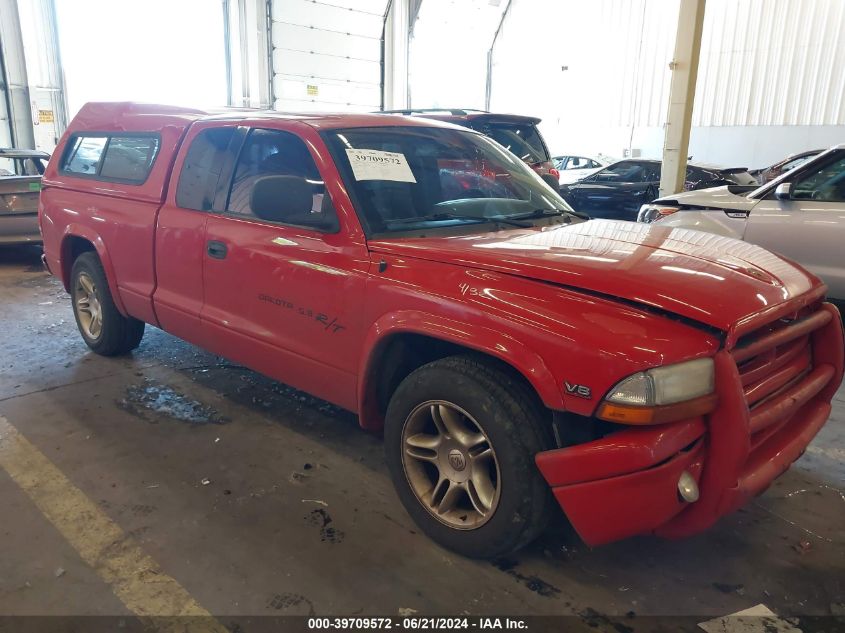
x: 537, y: 213
x: 548, y: 213
x: 436, y: 217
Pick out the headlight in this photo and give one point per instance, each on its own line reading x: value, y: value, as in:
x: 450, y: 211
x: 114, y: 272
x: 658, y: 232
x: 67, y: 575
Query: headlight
x: 662, y: 394
x: 653, y: 212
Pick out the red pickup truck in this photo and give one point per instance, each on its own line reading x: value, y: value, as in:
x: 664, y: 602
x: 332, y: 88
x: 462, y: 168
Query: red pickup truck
x: 647, y: 379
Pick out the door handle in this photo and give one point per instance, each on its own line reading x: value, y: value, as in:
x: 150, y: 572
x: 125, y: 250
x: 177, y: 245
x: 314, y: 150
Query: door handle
x: 217, y: 250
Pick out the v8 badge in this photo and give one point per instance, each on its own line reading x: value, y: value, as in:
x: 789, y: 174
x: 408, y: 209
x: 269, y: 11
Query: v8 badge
x: 582, y: 391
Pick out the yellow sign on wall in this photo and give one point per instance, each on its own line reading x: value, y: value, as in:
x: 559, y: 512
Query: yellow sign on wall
x: 45, y: 116
x: 312, y: 90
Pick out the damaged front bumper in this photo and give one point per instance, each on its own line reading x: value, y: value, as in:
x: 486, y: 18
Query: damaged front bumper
x: 774, y: 396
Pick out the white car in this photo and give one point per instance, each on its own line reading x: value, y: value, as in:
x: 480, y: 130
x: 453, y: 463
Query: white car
x: 800, y: 215
x: 574, y: 168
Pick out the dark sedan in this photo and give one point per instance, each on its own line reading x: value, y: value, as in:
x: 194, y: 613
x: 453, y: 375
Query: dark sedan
x: 618, y: 191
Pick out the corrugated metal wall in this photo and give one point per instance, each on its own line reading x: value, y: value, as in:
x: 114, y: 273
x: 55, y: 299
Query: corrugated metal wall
x: 763, y: 62
x: 772, y: 62
x: 629, y: 56
x: 586, y: 66
x: 598, y: 74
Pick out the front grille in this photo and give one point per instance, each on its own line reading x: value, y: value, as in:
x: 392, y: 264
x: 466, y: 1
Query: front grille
x: 776, y: 370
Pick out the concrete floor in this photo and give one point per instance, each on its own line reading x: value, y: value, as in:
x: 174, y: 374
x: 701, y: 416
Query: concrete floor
x: 299, y: 515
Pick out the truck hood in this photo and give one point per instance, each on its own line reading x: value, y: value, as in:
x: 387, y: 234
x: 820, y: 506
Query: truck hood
x: 708, y: 278
x: 713, y: 198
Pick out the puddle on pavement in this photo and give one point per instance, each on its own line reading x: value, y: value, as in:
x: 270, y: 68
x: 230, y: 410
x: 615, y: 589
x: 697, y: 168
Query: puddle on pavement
x: 154, y: 402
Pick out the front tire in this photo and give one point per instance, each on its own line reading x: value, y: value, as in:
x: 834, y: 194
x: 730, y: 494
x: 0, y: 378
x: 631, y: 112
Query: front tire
x: 103, y: 328
x: 460, y: 441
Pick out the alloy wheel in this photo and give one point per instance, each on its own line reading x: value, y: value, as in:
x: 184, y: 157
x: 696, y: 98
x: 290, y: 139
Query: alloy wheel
x: 450, y: 465
x: 88, y: 307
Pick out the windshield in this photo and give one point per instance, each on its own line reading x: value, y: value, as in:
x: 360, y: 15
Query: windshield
x: 405, y: 178
x: 522, y: 140
x: 29, y: 166
x: 740, y: 178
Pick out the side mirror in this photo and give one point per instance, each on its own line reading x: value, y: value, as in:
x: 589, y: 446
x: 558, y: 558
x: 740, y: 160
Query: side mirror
x: 288, y: 200
x: 784, y: 191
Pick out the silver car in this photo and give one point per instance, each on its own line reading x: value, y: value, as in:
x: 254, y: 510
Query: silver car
x: 800, y: 214
x: 20, y: 186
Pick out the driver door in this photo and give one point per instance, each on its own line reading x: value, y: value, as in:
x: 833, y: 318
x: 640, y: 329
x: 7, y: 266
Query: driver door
x: 282, y: 293
x: 809, y: 227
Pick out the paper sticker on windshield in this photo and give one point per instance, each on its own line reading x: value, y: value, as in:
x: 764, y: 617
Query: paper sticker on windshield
x: 372, y: 164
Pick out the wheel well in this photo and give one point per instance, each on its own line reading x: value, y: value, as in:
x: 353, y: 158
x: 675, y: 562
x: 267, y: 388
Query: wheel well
x: 72, y: 247
x: 401, y: 354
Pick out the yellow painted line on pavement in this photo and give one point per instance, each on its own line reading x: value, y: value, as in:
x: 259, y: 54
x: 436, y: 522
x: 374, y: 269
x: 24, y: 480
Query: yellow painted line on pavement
x: 757, y: 619
x: 134, y: 577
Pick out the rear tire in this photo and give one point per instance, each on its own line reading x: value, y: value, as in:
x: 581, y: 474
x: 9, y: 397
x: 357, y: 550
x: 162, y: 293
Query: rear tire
x: 103, y: 328
x: 460, y: 440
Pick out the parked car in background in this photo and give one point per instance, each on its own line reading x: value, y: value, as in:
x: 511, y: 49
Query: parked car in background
x: 768, y: 174
x: 514, y: 355
x: 619, y: 190
x: 574, y: 168
x: 800, y: 215
x: 20, y: 184
x: 517, y: 133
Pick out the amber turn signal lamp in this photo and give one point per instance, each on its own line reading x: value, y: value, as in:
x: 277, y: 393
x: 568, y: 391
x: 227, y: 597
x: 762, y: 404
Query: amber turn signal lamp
x: 630, y: 414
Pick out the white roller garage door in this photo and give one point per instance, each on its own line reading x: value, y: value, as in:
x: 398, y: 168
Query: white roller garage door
x: 327, y: 55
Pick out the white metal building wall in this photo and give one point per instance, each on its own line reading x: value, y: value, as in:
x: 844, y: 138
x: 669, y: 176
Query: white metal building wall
x: 327, y: 54
x: 771, y: 75
x: 590, y: 70
x: 772, y: 62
